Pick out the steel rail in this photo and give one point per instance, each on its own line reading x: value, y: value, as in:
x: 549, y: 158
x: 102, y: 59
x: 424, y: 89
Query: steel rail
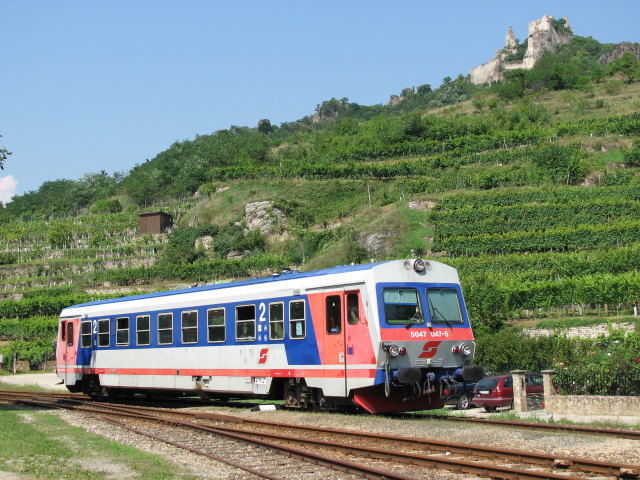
x: 612, y: 432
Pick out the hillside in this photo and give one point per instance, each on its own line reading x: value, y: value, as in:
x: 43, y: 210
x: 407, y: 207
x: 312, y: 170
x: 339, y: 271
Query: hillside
x: 529, y: 187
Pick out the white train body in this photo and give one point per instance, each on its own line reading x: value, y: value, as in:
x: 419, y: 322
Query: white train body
x: 388, y: 336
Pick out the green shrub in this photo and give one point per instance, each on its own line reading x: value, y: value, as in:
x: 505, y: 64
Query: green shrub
x: 632, y: 157
x: 106, y: 206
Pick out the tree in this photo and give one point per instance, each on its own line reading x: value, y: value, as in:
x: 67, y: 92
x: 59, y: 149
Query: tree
x: 3, y: 156
x: 628, y: 65
x: 424, y: 89
x: 264, y: 126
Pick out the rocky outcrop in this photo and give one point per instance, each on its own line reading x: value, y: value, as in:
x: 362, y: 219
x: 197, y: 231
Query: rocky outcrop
x: 619, y: 50
x: 544, y: 34
x: 396, y: 99
x: 263, y: 216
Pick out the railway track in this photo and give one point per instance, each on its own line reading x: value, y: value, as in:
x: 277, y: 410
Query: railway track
x: 539, y: 426
x: 348, y: 454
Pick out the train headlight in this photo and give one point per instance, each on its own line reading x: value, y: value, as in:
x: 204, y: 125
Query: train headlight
x: 394, y: 350
x: 419, y: 265
x: 465, y: 348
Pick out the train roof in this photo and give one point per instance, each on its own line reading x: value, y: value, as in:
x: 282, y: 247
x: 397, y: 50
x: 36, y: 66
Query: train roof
x: 390, y: 270
x: 279, y: 277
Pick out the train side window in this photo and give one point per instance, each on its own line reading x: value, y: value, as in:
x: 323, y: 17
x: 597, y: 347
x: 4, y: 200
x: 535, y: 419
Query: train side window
x: 122, y: 331
x: 103, y: 332
x: 353, y: 308
x: 276, y: 321
x: 246, y: 323
x: 444, y: 306
x: 142, y: 329
x: 69, y: 333
x: 297, y: 324
x: 215, y: 325
x: 165, y: 328
x: 85, y: 334
x: 63, y: 331
x: 333, y: 314
x: 402, y: 306
x: 190, y: 327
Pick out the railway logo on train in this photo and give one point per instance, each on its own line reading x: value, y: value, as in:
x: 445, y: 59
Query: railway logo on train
x: 387, y: 337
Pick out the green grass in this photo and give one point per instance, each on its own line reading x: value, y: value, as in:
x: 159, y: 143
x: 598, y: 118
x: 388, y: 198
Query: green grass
x: 43, y: 446
x: 22, y: 388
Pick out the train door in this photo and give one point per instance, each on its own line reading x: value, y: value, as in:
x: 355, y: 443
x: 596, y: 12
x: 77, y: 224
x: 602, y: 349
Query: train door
x: 67, y: 355
x: 342, y: 317
x: 357, y: 339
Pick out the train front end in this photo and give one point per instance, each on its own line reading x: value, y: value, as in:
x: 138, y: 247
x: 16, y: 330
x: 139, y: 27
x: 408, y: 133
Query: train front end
x: 425, y: 347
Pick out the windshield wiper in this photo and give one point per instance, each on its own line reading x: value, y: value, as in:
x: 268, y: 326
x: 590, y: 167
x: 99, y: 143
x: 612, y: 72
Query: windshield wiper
x: 439, y: 314
x: 415, y: 320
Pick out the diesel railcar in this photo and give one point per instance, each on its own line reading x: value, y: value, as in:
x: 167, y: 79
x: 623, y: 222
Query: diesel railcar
x: 388, y: 336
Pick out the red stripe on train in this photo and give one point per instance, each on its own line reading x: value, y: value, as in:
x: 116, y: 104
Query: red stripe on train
x: 293, y: 372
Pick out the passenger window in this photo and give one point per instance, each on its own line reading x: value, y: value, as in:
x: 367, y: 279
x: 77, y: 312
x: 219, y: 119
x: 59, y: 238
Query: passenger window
x: 85, y: 334
x: 69, y: 334
x: 333, y: 314
x: 444, y: 306
x: 142, y: 330
x: 402, y: 306
x: 246, y: 323
x: 190, y: 327
x: 215, y: 325
x: 297, y: 327
x: 165, y: 328
x: 122, y: 331
x: 103, y: 332
x: 276, y: 321
x: 353, y: 308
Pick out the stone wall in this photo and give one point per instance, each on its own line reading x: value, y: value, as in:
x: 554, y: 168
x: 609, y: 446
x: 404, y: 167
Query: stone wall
x: 593, y: 405
x: 586, y: 404
x: 587, y: 331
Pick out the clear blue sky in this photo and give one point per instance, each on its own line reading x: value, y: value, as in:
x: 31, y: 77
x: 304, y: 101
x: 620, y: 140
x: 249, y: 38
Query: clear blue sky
x: 96, y: 85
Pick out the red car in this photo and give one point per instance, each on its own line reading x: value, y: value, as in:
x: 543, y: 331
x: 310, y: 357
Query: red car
x: 497, y: 391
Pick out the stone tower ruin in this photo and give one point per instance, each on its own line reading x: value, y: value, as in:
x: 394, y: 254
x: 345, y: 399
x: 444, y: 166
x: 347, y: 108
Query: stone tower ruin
x: 542, y: 36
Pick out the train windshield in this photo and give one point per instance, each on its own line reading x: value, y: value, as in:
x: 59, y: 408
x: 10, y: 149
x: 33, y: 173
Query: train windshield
x: 402, y: 306
x: 444, y: 306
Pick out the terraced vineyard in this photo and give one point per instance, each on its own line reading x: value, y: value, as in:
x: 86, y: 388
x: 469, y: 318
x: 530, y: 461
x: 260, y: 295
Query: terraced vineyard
x: 570, y: 248
x: 66, y: 251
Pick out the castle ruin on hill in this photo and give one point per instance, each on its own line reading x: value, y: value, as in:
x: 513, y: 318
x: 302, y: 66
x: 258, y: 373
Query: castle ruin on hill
x: 544, y: 34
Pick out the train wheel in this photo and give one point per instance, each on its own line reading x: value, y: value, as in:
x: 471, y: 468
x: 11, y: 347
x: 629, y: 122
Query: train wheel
x: 297, y: 394
x: 463, y: 402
